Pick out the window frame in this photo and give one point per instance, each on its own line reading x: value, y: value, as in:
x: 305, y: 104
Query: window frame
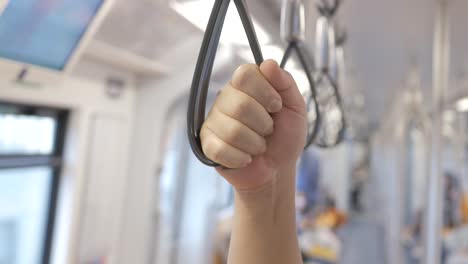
x: 52, y: 160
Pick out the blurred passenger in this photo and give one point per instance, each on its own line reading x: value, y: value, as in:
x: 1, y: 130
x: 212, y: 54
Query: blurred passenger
x: 455, y: 233
x: 413, y: 239
x: 452, y: 222
x: 359, y: 178
x: 307, y: 188
x: 452, y: 201
x: 308, y: 174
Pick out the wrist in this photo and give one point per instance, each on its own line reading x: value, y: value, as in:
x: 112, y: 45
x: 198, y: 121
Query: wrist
x: 265, y: 218
x: 283, y: 178
x: 280, y: 190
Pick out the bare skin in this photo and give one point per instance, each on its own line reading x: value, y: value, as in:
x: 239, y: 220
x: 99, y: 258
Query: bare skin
x: 256, y: 130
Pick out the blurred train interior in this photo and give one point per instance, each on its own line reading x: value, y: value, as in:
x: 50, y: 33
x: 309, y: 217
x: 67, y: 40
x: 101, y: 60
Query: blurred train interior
x: 96, y: 167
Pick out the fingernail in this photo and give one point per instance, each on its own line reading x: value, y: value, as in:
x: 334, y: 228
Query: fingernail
x: 276, y: 63
x: 275, y: 105
x: 272, y: 61
x: 247, y: 162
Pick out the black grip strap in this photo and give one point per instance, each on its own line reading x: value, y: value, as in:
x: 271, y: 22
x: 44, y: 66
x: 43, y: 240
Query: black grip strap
x: 312, y: 133
x: 329, y: 11
x: 204, y: 68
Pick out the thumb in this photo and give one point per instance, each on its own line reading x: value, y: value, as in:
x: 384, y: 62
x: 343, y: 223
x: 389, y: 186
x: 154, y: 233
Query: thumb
x: 285, y: 85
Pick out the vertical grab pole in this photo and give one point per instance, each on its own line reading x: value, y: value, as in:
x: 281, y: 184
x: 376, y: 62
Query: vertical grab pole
x: 434, y: 211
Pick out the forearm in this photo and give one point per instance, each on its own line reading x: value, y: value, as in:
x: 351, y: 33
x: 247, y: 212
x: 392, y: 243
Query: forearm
x: 264, y: 230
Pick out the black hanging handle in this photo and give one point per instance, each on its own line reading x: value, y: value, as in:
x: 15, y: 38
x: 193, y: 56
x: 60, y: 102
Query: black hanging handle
x: 312, y: 135
x: 340, y: 136
x: 204, y: 68
x: 327, y: 12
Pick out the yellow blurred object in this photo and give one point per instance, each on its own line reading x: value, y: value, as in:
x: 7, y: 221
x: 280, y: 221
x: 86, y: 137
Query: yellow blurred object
x: 331, y: 218
x: 323, y: 253
x: 464, y: 209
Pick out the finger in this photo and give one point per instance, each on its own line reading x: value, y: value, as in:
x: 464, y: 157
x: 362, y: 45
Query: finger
x: 235, y: 133
x: 221, y: 152
x: 248, y: 79
x: 285, y: 85
x: 245, y: 109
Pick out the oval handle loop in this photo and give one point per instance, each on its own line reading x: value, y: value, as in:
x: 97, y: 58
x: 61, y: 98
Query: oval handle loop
x: 294, y: 46
x: 327, y: 71
x: 293, y: 33
x: 339, y: 132
x: 204, y: 68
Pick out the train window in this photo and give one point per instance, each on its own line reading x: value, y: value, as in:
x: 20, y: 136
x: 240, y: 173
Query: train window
x: 22, y: 133
x: 31, y: 143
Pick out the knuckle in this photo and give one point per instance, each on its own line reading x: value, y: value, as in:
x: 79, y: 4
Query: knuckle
x: 243, y: 74
x: 235, y: 133
x: 218, y: 152
x: 213, y: 149
x: 242, y: 108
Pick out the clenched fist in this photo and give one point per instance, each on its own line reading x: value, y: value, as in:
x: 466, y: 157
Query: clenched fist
x: 257, y: 126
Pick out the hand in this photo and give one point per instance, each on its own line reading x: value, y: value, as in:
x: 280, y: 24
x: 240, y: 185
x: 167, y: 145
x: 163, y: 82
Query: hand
x: 257, y: 126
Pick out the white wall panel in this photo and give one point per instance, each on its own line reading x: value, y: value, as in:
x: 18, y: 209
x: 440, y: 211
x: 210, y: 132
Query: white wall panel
x: 104, y: 190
